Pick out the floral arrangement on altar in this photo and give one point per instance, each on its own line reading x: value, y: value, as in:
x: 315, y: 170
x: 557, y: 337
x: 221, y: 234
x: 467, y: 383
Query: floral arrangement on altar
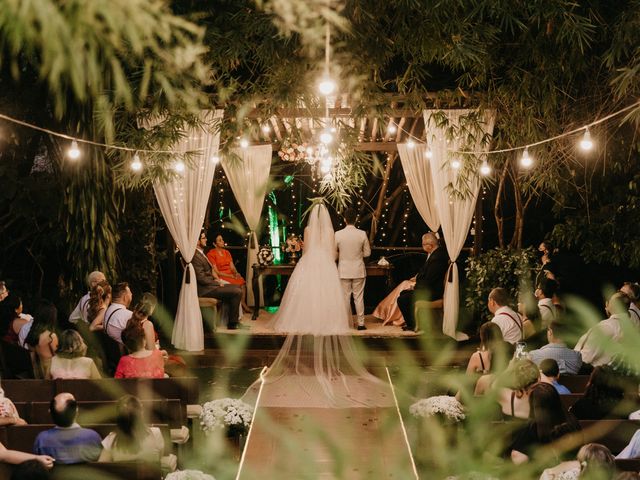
x: 265, y: 255
x: 443, y: 405
x: 226, y: 413
x: 293, y: 243
x: 189, y: 475
x: 294, y: 152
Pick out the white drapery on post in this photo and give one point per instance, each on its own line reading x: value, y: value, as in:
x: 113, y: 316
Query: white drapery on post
x: 248, y: 178
x: 462, y: 130
x: 183, y: 203
x: 417, y: 171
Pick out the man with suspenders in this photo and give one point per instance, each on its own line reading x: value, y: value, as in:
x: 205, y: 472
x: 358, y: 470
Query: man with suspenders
x: 82, y: 308
x: 544, y: 293
x: 509, y: 321
x: 632, y: 290
x: 118, y: 313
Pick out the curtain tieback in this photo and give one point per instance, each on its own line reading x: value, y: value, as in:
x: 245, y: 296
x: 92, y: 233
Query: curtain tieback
x: 450, y: 269
x: 188, y: 277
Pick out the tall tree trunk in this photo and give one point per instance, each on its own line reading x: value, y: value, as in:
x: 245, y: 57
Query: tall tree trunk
x: 497, y: 214
x: 382, y: 196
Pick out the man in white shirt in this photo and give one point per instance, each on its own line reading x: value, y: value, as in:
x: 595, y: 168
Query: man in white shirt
x: 82, y: 308
x: 118, y: 314
x: 595, y: 344
x: 632, y: 290
x: 544, y: 293
x: 353, y: 247
x: 509, y: 321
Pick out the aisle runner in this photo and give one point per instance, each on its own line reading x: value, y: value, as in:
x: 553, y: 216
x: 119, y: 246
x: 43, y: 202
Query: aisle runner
x: 326, y: 443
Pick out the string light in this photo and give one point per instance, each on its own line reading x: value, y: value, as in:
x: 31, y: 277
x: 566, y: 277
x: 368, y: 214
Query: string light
x: 411, y: 144
x: 485, y: 169
x: 266, y: 128
x: 428, y: 153
x: 526, y: 161
x: 455, y: 164
x: 326, y: 138
x: 244, y: 143
x: 586, y: 143
x: 136, y: 164
x: 179, y: 166
x: 215, y: 159
x: 327, y: 85
x: 74, y: 152
x: 392, y: 128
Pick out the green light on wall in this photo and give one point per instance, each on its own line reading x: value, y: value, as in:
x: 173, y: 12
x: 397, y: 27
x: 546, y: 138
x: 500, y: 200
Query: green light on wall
x: 275, y: 237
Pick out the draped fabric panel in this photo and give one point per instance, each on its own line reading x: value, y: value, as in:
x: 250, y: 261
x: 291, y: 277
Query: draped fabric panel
x: 458, y: 130
x: 417, y: 171
x: 183, y: 203
x: 248, y: 178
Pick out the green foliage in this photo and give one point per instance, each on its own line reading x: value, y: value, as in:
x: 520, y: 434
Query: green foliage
x: 500, y: 267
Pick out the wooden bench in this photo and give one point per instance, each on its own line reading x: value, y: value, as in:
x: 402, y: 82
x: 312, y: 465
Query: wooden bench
x: 169, y: 411
x: 210, y: 309
x: 575, y: 383
x: 115, y: 470
x: 15, y: 361
x: 614, y: 434
x: 628, y: 465
x: 429, y: 314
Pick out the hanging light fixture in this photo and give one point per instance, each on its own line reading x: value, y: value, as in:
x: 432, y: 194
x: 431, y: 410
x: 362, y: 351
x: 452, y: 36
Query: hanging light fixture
x: 526, y: 161
x: 485, y: 169
x: 215, y: 159
x: 455, y: 164
x: 244, y: 143
x: 136, y: 164
x: 429, y: 153
x: 392, y: 128
x: 74, y: 152
x: 266, y: 128
x: 411, y: 144
x: 179, y: 166
x: 586, y: 143
x: 326, y: 137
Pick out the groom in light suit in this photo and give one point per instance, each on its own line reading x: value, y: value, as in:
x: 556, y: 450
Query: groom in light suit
x: 353, y: 247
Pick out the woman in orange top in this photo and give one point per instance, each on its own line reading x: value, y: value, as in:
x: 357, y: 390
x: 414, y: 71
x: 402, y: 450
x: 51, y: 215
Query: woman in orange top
x: 220, y: 259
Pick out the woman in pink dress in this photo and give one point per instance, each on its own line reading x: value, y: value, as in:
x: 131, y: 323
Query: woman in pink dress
x: 140, y: 363
x: 222, y: 262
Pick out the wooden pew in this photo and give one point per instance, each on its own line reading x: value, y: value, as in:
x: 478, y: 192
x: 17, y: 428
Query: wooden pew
x: 575, y: 383
x: 22, y: 437
x: 167, y: 411
x: 614, y: 434
x: 628, y: 465
x: 119, y: 470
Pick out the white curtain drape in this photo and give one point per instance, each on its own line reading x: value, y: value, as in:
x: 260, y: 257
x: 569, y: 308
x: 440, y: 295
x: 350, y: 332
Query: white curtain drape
x: 417, y: 171
x: 449, y: 131
x: 183, y: 203
x: 248, y: 178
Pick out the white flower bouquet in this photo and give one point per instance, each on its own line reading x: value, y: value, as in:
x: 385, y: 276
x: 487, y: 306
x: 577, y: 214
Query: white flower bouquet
x: 226, y: 413
x: 189, y: 475
x: 443, y: 405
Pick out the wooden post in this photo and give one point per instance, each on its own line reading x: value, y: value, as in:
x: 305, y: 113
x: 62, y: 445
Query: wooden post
x: 477, y: 238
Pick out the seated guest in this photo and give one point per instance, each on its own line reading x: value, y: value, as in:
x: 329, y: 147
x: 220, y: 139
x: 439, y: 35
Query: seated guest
x: 494, y: 353
x: 545, y: 291
x: 429, y: 281
x: 118, y: 314
x: 593, y: 344
x: 594, y: 461
x: 4, y: 291
x: 8, y: 412
x: 514, y: 387
x: 569, y: 361
x: 67, y: 442
x: 550, y: 373
x: 133, y: 439
x: 604, y: 397
x: 141, y: 313
x: 99, y: 300
x: 12, y: 319
x: 42, y: 339
x: 547, y: 422
x: 70, y: 360
x: 140, y: 363
x: 509, y: 321
x: 222, y: 263
x: 209, y: 285
x: 632, y: 290
x: 30, y: 470
x: 80, y: 312
x: 15, y: 457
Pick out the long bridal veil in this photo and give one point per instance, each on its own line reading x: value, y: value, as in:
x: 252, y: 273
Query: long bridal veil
x: 318, y: 365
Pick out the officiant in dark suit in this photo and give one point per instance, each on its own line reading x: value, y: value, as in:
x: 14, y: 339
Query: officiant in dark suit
x: 429, y: 280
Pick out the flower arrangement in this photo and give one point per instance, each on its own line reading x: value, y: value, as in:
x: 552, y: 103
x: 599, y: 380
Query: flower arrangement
x: 293, y: 243
x: 444, y: 405
x: 225, y: 413
x: 265, y: 255
x: 294, y: 152
x: 189, y: 475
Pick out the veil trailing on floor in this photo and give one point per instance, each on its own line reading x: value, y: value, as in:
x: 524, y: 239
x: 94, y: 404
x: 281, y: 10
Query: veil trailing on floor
x: 318, y: 365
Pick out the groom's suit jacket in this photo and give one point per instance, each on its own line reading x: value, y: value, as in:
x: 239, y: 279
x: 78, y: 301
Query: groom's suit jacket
x: 353, y: 246
x: 204, y: 273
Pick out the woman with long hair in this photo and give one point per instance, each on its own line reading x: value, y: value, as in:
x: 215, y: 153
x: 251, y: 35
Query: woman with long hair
x: 42, y: 340
x: 99, y: 300
x: 12, y: 319
x: 133, y: 439
x: 593, y: 462
x: 604, y: 396
x: 493, y: 354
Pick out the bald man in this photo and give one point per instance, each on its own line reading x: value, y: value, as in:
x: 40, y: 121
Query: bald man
x: 429, y: 280
x: 67, y: 442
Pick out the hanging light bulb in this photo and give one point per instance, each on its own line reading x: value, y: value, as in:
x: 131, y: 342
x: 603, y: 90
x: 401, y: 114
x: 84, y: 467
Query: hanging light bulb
x: 485, y: 169
x: 326, y: 137
x: 586, y: 143
x: 244, y: 143
x: 392, y: 128
x: 74, y: 152
x: 136, y: 164
x: 428, y: 153
x: 215, y: 159
x: 266, y: 128
x: 455, y: 164
x: 526, y: 161
x: 179, y: 166
x: 411, y: 144
x: 327, y: 85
